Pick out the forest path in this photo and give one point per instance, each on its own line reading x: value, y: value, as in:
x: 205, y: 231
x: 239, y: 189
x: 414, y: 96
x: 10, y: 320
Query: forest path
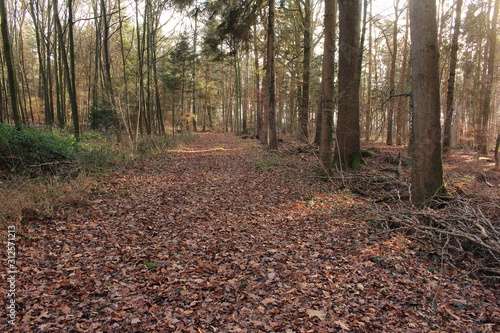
x: 208, y: 240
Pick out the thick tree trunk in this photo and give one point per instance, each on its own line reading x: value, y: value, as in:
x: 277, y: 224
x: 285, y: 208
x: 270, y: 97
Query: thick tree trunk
x: 451, y: 80
x: 427, y: 168
x: 327, y: 86
x: 348, y: 154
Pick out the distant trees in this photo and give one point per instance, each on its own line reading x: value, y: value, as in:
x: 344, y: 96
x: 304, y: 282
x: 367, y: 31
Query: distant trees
x: 247, y: 67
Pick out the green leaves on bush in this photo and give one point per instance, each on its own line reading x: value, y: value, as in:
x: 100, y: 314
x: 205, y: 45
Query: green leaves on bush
x: 38, y: 151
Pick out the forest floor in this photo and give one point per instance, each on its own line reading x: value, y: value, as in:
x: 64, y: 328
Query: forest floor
x: 222, y: 235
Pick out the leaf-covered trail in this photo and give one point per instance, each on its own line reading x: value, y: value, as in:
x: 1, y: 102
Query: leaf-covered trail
x: 205, y: 240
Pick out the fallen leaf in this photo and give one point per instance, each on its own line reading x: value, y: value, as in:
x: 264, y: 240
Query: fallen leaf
x: 316, y: 313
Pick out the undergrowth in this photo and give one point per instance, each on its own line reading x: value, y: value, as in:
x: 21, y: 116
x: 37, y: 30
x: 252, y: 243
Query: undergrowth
x: 45, y: 170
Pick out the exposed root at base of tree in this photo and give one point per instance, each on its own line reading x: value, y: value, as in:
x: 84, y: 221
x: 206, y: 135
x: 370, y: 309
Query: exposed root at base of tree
x: 463, y: 232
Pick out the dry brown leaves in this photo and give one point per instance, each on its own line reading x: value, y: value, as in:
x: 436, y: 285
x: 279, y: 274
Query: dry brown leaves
x: 205, y: 240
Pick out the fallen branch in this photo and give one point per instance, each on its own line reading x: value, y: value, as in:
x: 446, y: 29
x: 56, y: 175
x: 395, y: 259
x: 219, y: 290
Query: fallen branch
x: 462, y: 229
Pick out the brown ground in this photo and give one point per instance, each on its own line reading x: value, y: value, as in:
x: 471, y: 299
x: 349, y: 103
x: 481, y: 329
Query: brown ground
x: 223, y: 236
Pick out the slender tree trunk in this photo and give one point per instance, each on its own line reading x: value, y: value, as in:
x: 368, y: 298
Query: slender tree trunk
x: 246, y: 88
x: 273, y: 135
x: 126, y: 116
x: 68, y: 63
x: 304, y: 105
x: 402, y: 105
x: 11, y: 70
x: 427, y: 167
x: 327, y: 86
x: 487, y: 82
x: 195, y: 65
x: 450, y: 94
x: 258, y: 99
x: 319, y: 116
x: 348, y: 155
x: 497, y: 147
x: 368, y: 119
x: 72, y: 75
x: 48, y: 110
x: 392, y: 76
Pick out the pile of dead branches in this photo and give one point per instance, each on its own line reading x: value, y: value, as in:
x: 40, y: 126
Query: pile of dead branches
x: 464, y: 231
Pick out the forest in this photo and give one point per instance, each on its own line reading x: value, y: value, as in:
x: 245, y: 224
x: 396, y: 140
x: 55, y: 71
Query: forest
x: 250, y: 166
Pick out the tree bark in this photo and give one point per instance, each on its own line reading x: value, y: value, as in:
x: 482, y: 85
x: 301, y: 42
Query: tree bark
x: 392, y: 77
x: 497, y: 157
x: 306, y: 72
x: 68, y: 63
x: 273, y: 135
x: 11, y: 71
x: 427, y: 168
x: 487, y: 82
x: 348, y: 154
x: 451, y: 80
x: 327, y: 86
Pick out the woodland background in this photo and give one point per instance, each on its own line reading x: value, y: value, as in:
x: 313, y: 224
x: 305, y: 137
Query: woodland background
x: 149, y: 67
x: 360, y: 192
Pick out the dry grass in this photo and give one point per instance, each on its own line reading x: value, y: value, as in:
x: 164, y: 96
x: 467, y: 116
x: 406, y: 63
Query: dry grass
x: 26, y: 200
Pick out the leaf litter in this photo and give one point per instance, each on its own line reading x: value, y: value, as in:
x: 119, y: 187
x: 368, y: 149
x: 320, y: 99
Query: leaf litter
x: 205, y: 240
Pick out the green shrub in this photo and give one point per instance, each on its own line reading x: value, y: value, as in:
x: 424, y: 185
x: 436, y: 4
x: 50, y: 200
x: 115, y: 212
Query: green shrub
x: 30, y: 147
x: 37, y: 152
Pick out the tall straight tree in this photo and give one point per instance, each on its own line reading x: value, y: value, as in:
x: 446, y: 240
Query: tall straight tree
x: 392, y: 75
x: 68, y: 62
x: 306, y: 71
x: 487, y: 80
x: 11, y: 71
x: 451, y: 80
x: 271, y: 86
x: 427, y: 167
x: 348, y: 154
x: 327, y: 86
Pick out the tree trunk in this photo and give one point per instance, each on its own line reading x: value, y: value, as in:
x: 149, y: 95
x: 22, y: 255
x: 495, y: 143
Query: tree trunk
x: 11, y: 70
x: 487, y: 83
x: 72, y: 75
x: 392, y: 76
x: 304, y: 105
x: 497, y: 146
x: 451, y: 81
x: 258, y: 99
x: 273, y: 135
x: 402, y: 105
x: 48, y: 110
x: 327, y: 86
x: 427, y: 167
x: 195, y: 65
x: 348, y: 155
x: 368, y: 119
x: 68, y: 63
